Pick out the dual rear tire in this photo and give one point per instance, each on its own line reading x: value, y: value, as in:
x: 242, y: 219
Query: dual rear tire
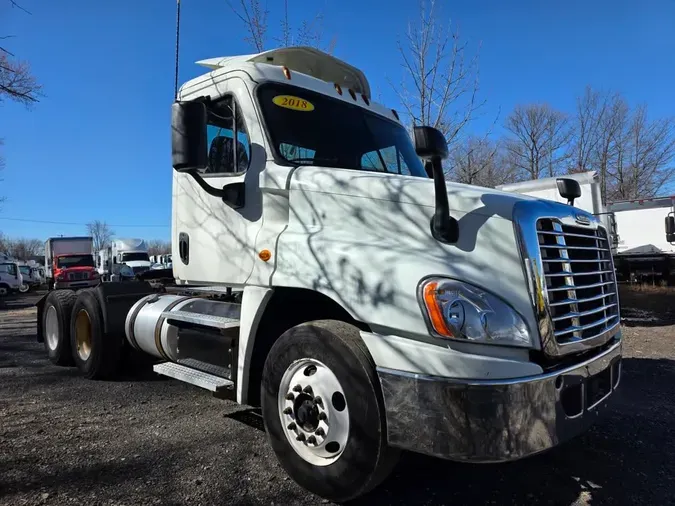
x: 74, y: 334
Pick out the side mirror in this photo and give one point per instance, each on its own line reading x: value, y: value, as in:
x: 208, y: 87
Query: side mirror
x: 430, y: 143
x: 568, y: 189
x: 670, y: 228
x: 188, y: 136
x: 431, y: 146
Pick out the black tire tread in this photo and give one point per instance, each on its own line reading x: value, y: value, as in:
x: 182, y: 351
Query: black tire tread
x: 350, y: 339
x: 65, y: 299
x: 104, y: 360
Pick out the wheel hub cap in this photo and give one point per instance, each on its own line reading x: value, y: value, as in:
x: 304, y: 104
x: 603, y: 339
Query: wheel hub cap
x: 313, y: 411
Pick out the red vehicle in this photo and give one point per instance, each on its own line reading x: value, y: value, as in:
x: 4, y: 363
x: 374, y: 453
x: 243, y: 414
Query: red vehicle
x: 69, y: 262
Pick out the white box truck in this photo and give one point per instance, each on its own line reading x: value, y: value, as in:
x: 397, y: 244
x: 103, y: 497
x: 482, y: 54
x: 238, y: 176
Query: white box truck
x: 130, y: 252
x: 590, y: 199
x: 69, y: 263
x: 326, y: 272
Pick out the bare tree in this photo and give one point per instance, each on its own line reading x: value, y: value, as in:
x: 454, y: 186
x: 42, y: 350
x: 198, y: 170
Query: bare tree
x: 538, y: 140
x: 641, y: 160
x: 159, y: 247
x: 23, y: 249
x: 440, y: 83
x: 16, y: 80
x: 101, y: 233
x: 254, y: 15
x: 480, y: 161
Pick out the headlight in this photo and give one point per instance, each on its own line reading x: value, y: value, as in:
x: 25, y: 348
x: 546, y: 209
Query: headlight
x: 458, y: 310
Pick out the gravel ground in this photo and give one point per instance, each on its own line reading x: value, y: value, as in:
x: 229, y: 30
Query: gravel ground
x: 148, y: 440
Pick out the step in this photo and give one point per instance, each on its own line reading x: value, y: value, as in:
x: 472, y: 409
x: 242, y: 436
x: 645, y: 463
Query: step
x: 208, y: 320
x: 193, y: 376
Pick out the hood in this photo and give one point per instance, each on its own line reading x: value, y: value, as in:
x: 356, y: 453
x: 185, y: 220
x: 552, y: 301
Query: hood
x: 462, y: 198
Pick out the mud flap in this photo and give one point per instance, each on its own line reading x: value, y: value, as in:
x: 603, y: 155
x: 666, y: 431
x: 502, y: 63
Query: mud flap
x: 40, y: 307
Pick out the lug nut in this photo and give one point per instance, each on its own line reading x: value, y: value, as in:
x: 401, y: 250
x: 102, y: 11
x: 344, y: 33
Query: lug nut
x: 320, y: 432
x: 301, y: 437
x: 307, y: 390
x: 288, y: 411
x: 311, y: 440
x: 317, y: 400
x: 297, y: 388
x: 322, y: 415
x: 290, y: 396
x: 291, y: 426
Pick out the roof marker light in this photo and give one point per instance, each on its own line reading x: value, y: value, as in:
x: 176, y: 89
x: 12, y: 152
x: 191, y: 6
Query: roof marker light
x: 365, y: 99
x: 287, y: 72
x: 338, y: 89
x: 351, y: 92
x: 393, y: 111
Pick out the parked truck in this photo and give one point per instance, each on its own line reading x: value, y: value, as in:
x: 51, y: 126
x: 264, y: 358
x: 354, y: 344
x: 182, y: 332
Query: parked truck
x: 326, y: 273
x: 130, y: 252
x: 644, y: 253
x: 69, y: 263
x: 11, y: 279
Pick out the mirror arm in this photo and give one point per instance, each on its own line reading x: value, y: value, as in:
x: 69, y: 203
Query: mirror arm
x: 231, y: 194
x: 444, y: 228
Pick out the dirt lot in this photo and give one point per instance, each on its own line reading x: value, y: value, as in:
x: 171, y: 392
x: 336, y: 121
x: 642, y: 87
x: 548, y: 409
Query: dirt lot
x: 148, y: 440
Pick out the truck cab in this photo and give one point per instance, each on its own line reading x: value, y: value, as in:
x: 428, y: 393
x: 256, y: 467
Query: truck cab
x: 131, y: 252
x: 327, y: 272
x: 30, y: 276
x: 11, y: 279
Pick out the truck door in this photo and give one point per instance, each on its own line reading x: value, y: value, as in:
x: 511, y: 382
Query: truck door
x: 215, y: 242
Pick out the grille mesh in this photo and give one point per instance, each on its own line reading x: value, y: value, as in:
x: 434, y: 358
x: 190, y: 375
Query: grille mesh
x: 580, y: 280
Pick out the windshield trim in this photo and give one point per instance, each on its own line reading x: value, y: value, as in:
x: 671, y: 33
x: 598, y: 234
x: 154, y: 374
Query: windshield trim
x: 278, y: 158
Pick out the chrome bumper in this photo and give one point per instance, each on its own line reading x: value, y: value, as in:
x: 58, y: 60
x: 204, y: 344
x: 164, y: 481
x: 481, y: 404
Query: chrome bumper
x: 500, y: 420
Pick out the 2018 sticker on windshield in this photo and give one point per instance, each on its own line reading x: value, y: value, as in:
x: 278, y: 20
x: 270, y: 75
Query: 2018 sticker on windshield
x: 294, y: 103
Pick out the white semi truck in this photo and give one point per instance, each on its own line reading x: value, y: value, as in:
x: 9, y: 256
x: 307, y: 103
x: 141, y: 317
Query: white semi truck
x: 326, y: 273
x: 130, y: 252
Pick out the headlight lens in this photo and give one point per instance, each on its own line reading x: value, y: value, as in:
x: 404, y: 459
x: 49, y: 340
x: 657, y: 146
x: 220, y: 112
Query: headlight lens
x: 458, y: 310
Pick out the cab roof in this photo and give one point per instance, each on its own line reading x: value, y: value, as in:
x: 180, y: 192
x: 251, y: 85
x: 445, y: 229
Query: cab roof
x: 302, y: 59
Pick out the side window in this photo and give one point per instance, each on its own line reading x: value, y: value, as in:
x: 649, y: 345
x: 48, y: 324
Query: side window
x: 385, y: 160
x: 227, y: 138
x: 291, y: 152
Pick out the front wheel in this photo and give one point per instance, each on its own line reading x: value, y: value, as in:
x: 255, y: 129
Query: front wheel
x: 23, y: 288
x: 323, y: 410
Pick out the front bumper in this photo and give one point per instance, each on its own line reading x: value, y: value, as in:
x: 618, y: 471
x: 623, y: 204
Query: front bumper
x: 80, y: 283
x: 500, y: 420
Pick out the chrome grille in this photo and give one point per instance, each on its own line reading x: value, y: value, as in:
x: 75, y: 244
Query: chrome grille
x: 77, y: 276
x: 579, y: 280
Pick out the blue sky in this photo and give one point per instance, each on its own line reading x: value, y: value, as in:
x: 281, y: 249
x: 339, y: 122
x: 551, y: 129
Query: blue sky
x: 97, y: 145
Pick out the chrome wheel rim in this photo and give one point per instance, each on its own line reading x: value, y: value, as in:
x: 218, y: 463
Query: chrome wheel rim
x: 313, y: 411
x: 52, y: 328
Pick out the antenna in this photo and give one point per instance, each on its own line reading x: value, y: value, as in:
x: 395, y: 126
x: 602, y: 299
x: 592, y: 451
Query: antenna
x: 175, y: 84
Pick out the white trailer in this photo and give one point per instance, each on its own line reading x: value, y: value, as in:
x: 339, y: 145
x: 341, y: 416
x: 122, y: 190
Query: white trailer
x: 326, y: 272
x: 590, y: 199
x: 644, y: 252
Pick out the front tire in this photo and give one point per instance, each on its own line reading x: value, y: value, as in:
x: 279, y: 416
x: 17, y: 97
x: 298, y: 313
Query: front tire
x: 330, y: 437
x: 96, y: 354
x: 56, y: 326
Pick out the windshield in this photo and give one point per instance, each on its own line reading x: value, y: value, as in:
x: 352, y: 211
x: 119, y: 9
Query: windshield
x: 309, y: 128
x: 130, y: 257
x: 24, y: 270
x: 8, y: 268
x: 74, y: 261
